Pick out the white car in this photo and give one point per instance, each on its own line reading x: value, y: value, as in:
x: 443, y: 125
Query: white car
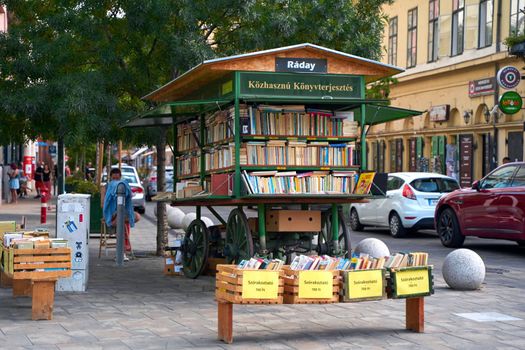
x: 408, y: 205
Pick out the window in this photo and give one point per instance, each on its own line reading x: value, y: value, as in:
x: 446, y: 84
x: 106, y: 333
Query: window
x: 392, y: 41
x: 485, y: 23
x: 517, y: 17
x: 394, y: 183
x: 412, y: 38
x: 499, y: 178
x: 519, y: 178
x: 435, y: 185
x: 433, y: 30
x: 458, y: 19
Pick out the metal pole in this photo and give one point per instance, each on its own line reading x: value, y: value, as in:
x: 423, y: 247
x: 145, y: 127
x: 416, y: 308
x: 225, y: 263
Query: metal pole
x: 60, y: 166
x: 121, y: 212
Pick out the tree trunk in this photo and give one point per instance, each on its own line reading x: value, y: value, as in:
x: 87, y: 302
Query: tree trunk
x: 162, y: 220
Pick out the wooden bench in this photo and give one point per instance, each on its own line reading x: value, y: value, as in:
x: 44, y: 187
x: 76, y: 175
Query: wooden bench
x: 33, y: 273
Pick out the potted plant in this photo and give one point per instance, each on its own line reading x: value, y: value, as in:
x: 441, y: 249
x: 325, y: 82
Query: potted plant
x: 516, y: 45
x: 76, y: 185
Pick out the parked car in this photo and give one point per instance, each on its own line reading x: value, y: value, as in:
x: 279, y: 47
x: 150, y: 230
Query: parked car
x: 408, y: 205
x: 131, y: 176
x: 493, y: 208
x: 150, y: 182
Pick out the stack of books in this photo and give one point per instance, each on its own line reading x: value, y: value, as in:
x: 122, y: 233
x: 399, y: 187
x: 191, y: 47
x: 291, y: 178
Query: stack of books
x: 220, y: 157
x: 187, y: 134
x: 324, y: 262
x: 260, y: 264
x: 407, y: 260
x: 189, y: 164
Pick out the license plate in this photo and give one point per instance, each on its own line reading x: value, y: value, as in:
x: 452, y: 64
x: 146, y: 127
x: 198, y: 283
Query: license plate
x: 432, y: 202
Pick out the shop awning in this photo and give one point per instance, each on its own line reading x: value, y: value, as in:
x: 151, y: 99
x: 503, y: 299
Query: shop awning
x: 138, y: 152
x: 378, y: 114
x: 158, y: 116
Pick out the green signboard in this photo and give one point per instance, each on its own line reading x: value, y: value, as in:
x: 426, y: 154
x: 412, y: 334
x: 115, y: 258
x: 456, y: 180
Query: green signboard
x: 510, y: 102
x: 314, y: 86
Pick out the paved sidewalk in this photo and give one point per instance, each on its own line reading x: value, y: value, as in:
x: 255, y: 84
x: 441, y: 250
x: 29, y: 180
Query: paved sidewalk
x: 136, y: 307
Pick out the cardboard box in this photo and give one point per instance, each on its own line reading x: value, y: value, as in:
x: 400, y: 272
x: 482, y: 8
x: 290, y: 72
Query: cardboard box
x: 190, y: 191
x: 293, y: 220
x: 221, y: 184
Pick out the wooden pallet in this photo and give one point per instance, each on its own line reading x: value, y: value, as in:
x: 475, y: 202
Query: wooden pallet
x: 291, y: 288
x: 46, y: 263
x: 229, y: 286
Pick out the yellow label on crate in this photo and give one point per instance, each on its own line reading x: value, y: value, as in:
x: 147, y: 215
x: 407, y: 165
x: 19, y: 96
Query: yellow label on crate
x: 365, y: 284
x: 315, y: 284
x: 409, y: 282
x: 260, y: 284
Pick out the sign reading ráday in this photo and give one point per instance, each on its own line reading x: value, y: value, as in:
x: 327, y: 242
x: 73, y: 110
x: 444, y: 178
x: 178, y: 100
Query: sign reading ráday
x: 412, y: 282
x: 315, y: 284
x: 300, y: 65
x: 302, y: 86
x: 508, y: 77
x: 510, y: 102
x: 365, y: 284
x: 260, y: 284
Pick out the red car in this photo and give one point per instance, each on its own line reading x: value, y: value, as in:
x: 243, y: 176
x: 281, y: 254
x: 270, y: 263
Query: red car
x: 493, y: 208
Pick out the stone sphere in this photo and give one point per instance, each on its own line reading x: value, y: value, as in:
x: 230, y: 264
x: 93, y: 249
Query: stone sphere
x: 463, y: 269
x: 175, y: 217
x: 188, y: 218
x: 373, y: 247
x: 207, y: 221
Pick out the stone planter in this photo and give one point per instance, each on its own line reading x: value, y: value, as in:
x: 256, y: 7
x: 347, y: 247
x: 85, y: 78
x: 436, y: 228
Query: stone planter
x: 517, y: 49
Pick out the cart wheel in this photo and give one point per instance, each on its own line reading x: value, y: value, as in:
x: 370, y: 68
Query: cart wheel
x: 195, y: 249
x: 325, y: 244
x: 239, y: 242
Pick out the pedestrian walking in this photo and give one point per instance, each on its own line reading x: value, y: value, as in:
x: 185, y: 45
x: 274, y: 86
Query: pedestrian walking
x: 39, y: 179
x: 46, y: 177
x: 14, y: 182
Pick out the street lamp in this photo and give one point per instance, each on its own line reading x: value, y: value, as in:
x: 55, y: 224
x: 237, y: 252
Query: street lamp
x: 467, y: 115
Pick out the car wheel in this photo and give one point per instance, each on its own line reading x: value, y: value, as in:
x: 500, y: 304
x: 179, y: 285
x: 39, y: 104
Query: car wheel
x: 355, y: 224
x: 397, y: 229
x: 141, y: 210
x: 448, y: 229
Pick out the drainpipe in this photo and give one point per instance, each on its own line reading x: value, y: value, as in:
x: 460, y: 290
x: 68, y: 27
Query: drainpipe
x: 498, y: 27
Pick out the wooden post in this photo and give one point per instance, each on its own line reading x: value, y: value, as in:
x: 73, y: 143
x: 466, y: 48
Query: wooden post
x: 21, y: 288
x: 5, y: 280
x: 43, y: 299
x: 415, y: 314
x: 225, y: 321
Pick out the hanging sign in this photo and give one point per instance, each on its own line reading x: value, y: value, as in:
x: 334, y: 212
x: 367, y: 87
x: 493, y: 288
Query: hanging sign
x: 300, y: 86
x: 315, y: 284
x: 439, y: 113
x: 260, y: 284
x: 510, y: 102
x: 300, y: 65
x: 508, y: 77
x: 481, y: 87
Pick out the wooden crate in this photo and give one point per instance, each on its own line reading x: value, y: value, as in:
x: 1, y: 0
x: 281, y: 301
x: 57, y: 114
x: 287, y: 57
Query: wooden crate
x: 410, y: 282
x: 229, y: 286
x: 291, y: 287
x: 373, y: 285
x: 293, y: 220
x: 33, y: 264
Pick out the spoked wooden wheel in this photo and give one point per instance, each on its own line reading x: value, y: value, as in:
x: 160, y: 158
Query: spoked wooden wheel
x: 239, y: 242
x: 195, y: 249
x: 325, y: 243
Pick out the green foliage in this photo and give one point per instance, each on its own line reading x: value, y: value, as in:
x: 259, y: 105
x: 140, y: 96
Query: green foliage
x: 514, y: 39
x: 79, y: 185
x: 380, y: 90
x: 78, y: 70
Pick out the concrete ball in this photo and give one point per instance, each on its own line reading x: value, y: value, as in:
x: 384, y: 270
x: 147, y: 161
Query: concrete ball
x: 373, y: 247
x: 175, y: 217
x: 463, y: 269
x: 188, y: 218
x: 207, y: 221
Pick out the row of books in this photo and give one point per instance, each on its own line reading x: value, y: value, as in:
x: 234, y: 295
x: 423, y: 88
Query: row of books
x: 298, y: 153
x: 261, y: 264
x: 188, y: 165
x: 25, y: 240
x: 312, y: 182
x: 407, y: 260
x: 187, y: 135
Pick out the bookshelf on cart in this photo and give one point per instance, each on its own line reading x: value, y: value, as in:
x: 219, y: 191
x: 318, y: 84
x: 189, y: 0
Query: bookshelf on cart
x: 252, y: 131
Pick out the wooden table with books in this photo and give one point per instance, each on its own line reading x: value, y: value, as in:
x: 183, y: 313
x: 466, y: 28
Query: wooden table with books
x: 31, y: 266
x: 324, y: 279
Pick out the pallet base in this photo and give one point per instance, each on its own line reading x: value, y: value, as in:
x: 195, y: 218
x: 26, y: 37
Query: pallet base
x: 414, y: 314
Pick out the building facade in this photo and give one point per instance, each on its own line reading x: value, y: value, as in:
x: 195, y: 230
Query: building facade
x: 452, y: 51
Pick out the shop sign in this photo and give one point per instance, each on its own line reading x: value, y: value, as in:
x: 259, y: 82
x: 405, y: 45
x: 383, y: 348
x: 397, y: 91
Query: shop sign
x: 481, y: 87
x: 508, y: 77
x: 315, y: 284
x: 465, y: 169
x: 301, y: 86
x: 300, y: 65
x: 510, y: 102
x: 439, y: 113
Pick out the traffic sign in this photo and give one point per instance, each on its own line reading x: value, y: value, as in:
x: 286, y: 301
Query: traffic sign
x: 508, y: 77
x: 510, y: 102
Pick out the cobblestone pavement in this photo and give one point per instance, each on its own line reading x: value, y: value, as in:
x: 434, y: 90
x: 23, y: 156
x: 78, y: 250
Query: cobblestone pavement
x: 137, y: 307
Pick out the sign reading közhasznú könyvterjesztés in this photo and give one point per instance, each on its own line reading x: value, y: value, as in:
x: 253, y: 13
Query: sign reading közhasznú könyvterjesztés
x: 302, y: 86
x: 364, y: 284
x: 412, y: 282
x: 260, y: 284
x: 300, y: 65
x: 315, y: 284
